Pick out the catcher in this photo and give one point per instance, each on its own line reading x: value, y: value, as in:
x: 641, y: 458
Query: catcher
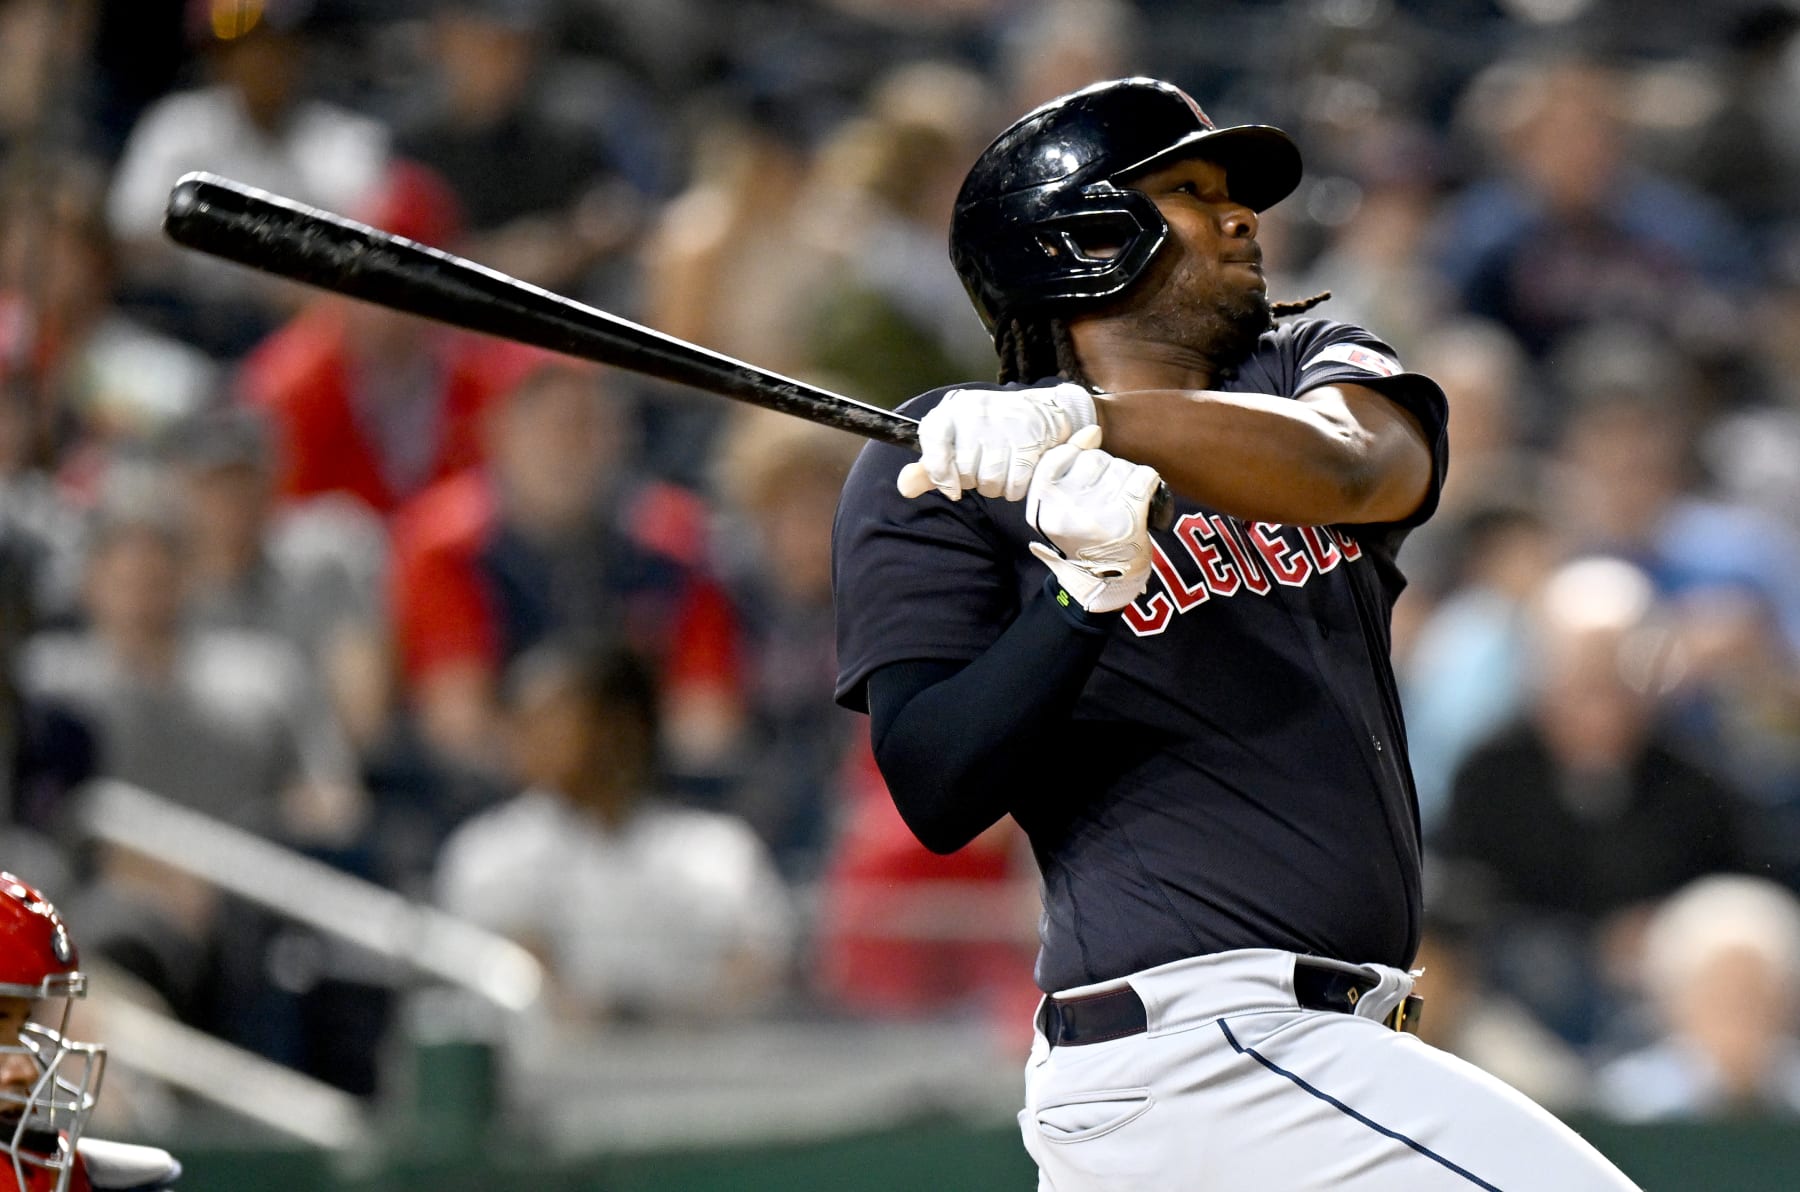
x: 48, y: 1082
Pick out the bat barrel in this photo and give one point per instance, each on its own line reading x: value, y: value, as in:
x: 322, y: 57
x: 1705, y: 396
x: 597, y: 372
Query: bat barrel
x: 252, y: 227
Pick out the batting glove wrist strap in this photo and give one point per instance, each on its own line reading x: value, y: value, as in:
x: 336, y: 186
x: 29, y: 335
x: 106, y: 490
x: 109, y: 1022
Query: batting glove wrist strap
x: 1074, y: 402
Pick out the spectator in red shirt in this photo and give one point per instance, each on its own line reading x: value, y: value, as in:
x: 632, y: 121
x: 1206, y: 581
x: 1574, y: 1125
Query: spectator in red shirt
x: 553, y: 536
x: 371, y: 402
x: 903, y: 932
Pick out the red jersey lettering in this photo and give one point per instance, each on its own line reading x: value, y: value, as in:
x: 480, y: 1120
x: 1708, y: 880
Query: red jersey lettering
x: 1197, y: 535
x: 1228, y: 530
x: 1287, y: 562
x: 1324, y: 552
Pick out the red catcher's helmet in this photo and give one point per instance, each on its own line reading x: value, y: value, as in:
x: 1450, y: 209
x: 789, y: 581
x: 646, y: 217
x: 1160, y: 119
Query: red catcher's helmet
x: 41, y: 1118
x: 37, y: 957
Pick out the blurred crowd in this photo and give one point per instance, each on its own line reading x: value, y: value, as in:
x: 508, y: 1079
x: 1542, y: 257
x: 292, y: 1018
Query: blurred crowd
x: 551, y: 645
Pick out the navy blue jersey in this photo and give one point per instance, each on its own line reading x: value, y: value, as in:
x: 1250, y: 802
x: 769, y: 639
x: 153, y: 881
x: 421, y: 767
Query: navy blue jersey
x: 1236, y: 770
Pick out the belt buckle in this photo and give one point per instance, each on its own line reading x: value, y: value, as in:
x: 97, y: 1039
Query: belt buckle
x: 1405, y: 1017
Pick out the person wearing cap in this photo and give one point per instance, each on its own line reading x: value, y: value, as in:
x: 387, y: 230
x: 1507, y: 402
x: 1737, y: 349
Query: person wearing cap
x: 1196, y: 726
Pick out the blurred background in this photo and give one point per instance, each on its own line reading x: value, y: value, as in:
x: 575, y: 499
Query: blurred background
x: 430, y: 743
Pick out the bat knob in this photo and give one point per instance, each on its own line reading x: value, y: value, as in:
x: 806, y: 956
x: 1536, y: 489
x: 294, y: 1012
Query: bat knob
x: 185, y: 202
x: 184, y: 198
x: 1162, y: 507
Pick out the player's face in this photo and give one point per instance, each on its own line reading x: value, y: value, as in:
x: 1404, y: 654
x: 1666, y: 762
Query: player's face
x: 1207, y: 291
x: 18, y: 1071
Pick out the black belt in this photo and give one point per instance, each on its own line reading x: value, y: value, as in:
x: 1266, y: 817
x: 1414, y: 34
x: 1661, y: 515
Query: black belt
x: 1119, y: 1013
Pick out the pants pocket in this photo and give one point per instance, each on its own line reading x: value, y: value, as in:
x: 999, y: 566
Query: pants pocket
x: 1091, y: 1114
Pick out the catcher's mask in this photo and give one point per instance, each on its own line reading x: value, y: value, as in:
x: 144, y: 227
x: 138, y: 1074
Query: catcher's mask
x: 1056, y: 184
x: 50, y: 1080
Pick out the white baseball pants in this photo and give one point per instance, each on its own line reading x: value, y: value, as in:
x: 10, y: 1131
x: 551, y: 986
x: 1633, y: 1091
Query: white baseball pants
x: 1234, y: 1088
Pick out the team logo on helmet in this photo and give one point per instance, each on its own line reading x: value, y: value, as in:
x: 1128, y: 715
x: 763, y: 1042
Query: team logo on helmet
x: 1199, y: 112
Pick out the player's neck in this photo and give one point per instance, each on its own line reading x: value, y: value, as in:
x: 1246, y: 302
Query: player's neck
x: 1118, y: 359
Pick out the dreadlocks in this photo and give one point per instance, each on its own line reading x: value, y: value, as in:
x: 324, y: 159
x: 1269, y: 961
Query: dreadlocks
x: 1031, y: 351
x: 1281, y: 310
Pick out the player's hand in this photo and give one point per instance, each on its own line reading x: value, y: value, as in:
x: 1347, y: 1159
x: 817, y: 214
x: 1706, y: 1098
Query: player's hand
x: 1093, y: 507
x: 991, y: 440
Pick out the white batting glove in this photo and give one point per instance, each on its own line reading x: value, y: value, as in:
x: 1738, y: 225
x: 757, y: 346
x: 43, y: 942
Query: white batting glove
x: 990, y: 440
x: 1094, y: 509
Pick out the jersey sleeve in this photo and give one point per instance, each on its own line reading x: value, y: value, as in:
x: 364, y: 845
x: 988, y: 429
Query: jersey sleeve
x: 925, y: 578
x: 1331, y: 353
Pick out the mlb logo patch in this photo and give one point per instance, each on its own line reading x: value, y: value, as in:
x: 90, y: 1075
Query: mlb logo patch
x: 1357, y: 356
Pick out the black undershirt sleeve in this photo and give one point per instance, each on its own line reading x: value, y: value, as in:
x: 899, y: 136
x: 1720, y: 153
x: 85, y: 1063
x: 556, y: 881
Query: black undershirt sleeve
x: 957, y: 741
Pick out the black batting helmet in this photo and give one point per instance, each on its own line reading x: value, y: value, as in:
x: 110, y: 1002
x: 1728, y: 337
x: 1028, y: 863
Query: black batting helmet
x: 1052, y: 183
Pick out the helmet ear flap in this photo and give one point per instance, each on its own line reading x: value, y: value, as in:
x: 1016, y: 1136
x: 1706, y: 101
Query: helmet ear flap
x: 1058, y: 250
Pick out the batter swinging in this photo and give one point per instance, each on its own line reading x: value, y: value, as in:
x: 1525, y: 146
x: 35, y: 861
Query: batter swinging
x: 1197, y: 729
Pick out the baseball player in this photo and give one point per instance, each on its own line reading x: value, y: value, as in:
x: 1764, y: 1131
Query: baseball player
x: 1198, y: 728
x: 48, y: 1082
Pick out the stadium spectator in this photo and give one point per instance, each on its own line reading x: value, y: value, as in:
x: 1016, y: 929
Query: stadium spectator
x: 1752, y: 450
x: 541, y: 200
x: 1625, y: 452
x: 1569, y: 228
x: 1722, y: 970
x: 725, y: 265
x: 42, y: 531
x: 888, y: 319
x: 256, y: 122
x: 313, y: 576
x: 41, y: 50
x: 310, y: 576
x: 1464, y: 675
x: 640, y: 909
x: 1738, y: 706
x: 1489, y: 384
x: 370, y: 402
x: 903, y: 932
x: 557, y: 533
x: 226, y: 722
x: 1050, y: 49
x: 88, y: 377
x: 1376, y: 258
x: 1578, y: 816
x: 778, y: 480
x: 1744, y: 153
x: 46, y: 751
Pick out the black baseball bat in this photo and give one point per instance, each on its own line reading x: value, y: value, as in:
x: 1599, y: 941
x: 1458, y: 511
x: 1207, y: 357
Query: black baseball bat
x: 240, y: 223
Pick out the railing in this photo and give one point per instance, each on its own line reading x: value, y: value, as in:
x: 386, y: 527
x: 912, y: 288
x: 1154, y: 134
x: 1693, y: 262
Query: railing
x: 180, y: 1057
x: 404, y: 939
x: 335, y: 903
